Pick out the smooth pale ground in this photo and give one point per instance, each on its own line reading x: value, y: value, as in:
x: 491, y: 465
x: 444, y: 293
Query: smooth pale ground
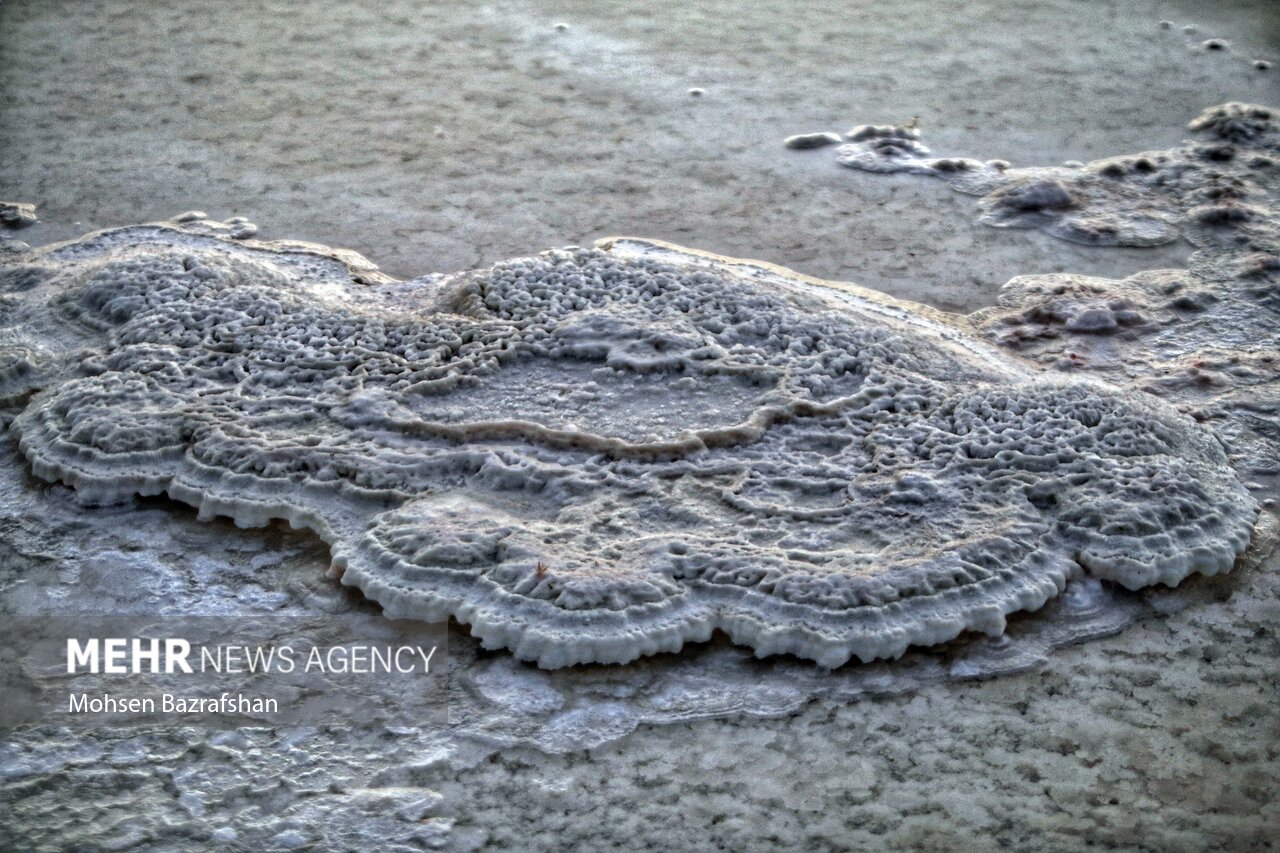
x: 319, y: 122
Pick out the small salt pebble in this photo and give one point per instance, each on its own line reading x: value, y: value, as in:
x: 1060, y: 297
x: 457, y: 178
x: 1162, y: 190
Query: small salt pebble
x: 696, y: 93
x: 16, y: 214
x: 805, y: 141
x: 1073, y: 164
x: 1166, y: 25
x: 290, y: 839
x: 560, y: 27
x: 1261, y: 64
x: 191, y: 216
x: 998, y: 165
x: 1188, y: 29
x: 1214, y: 44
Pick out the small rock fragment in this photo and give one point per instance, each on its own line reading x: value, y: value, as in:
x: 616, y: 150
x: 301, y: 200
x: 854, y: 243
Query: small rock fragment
x: 806, y: 141
x: 1046, y: 194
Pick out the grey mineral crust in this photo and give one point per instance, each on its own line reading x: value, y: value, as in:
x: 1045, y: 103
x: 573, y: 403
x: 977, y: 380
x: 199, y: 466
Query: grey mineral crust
x: 806, y: 141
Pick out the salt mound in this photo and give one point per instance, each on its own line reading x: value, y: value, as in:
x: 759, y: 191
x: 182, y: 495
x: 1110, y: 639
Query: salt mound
x: 598, y: 454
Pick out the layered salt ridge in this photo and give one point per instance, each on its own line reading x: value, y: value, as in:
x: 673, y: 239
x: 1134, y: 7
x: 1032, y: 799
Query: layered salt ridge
x: 593, y: 455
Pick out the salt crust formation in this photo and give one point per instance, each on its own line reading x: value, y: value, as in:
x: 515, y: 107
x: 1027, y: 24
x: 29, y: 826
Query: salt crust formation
x: 1206, y: 338
x: 598, y: 454
x: 1221, y: 186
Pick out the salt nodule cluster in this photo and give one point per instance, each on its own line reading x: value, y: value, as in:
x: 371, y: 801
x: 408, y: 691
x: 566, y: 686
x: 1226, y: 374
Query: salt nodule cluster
x: 598, y: 454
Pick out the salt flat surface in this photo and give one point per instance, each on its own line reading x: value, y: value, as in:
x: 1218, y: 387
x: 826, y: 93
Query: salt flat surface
x: 1160, y: 737
x: 445, y: 137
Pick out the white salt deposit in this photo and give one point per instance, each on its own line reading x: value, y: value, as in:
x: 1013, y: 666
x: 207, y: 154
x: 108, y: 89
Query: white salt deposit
x: 805, y: 141
x: 162, y: 313
x: 594, y: 455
